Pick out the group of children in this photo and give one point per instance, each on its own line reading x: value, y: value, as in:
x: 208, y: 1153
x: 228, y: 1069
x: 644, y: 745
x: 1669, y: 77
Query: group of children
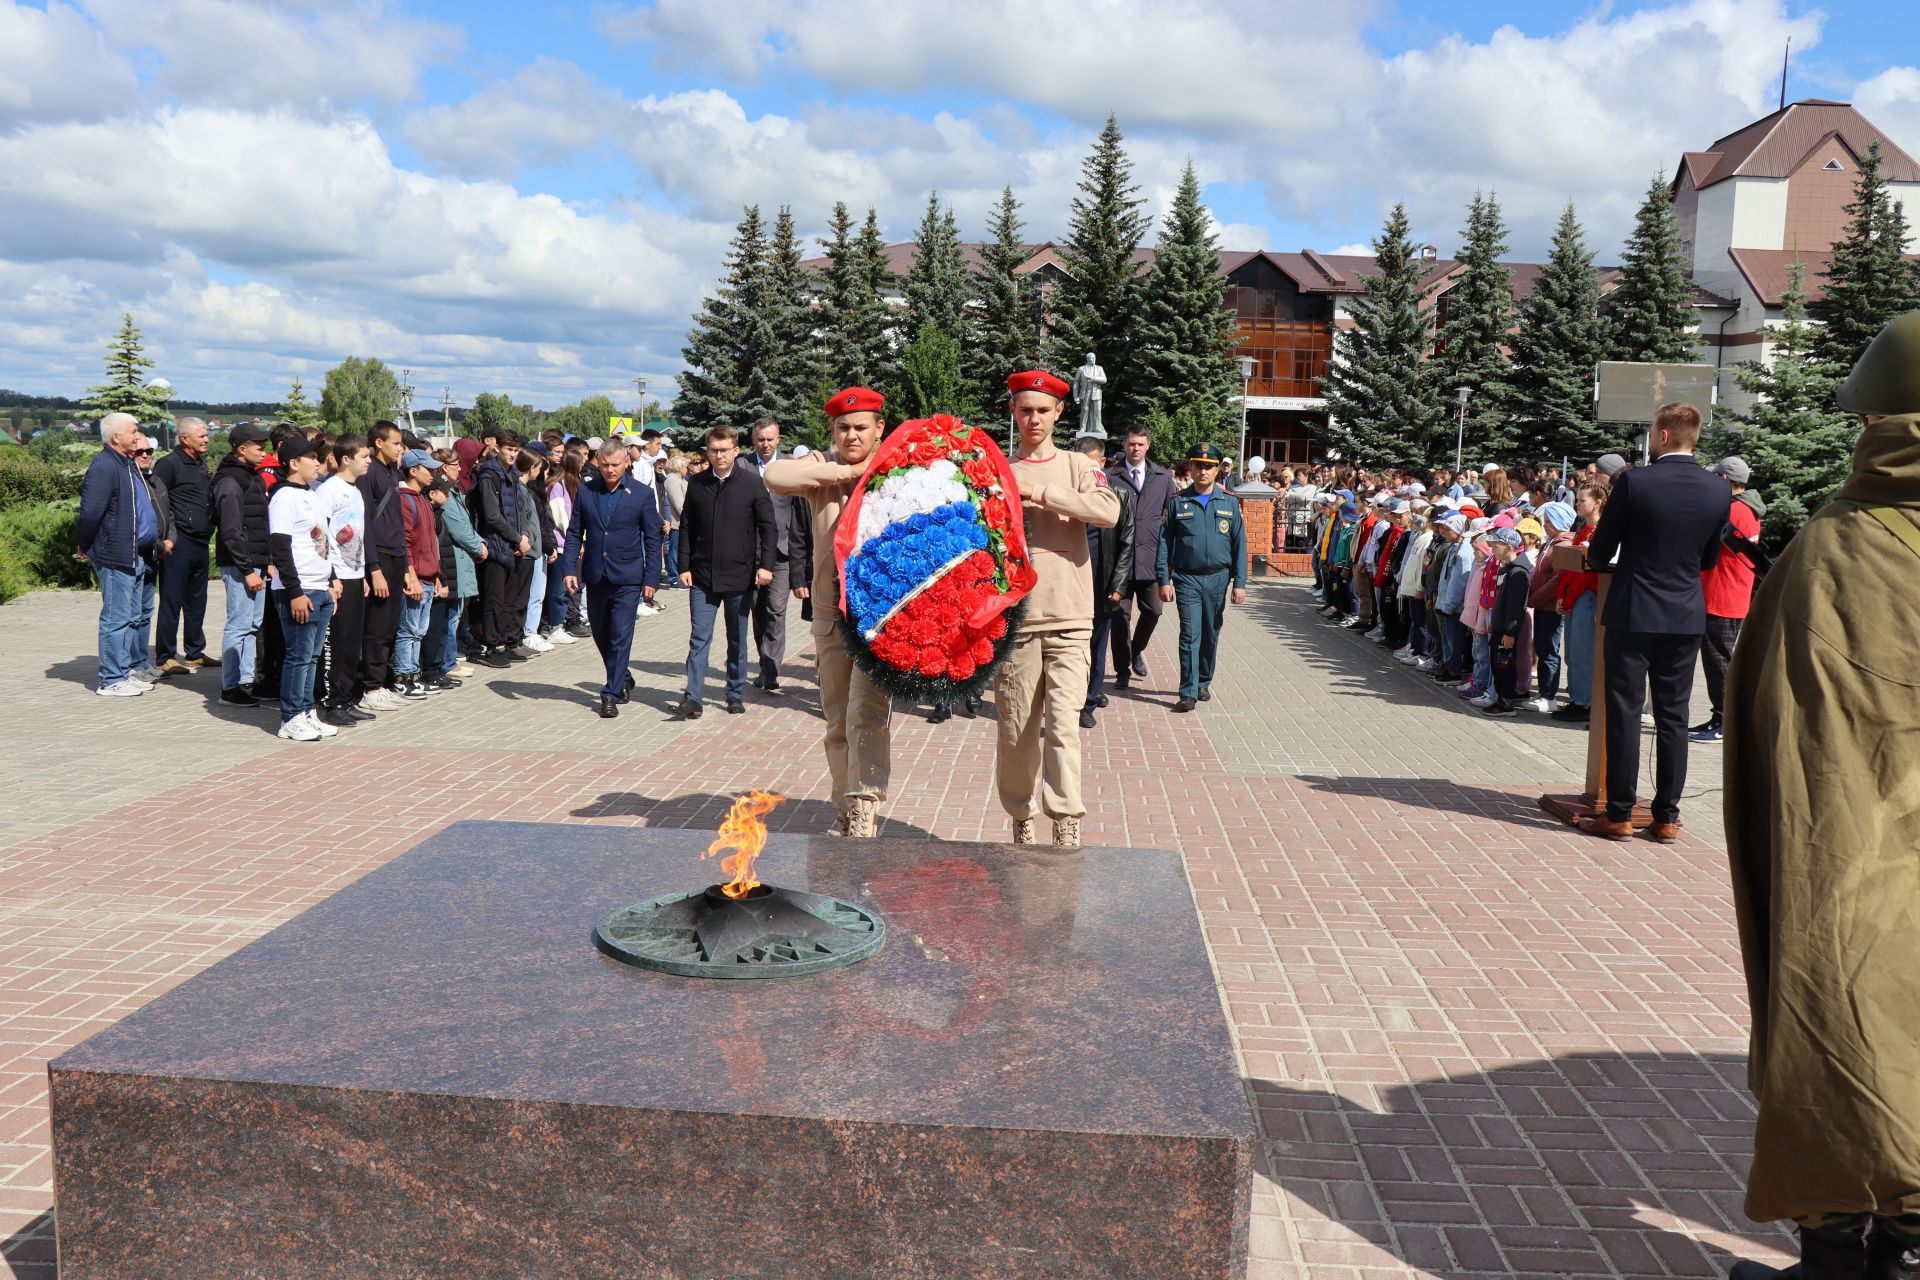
x: 1462, y: 585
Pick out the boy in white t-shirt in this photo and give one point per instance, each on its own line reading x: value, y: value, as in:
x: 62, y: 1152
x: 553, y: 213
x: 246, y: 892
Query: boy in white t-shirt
x: 345, y: 510
x: 300, y: 547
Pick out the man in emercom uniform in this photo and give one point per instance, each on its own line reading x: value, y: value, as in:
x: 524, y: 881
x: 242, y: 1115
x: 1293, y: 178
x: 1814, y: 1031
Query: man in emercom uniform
x: 1203, y: 556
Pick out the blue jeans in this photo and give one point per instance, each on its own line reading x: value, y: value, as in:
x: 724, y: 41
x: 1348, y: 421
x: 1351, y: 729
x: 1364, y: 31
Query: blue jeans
x: 536, y: 594
x: 1578, y: 638
x: 149, y: 590
x: 441, y: 651
x: 705, y: 607
x: 303, y: 641
x: 414, y: 616
x: 1097, y: 669
x: 123, y: 637
x: 244, y: 615
x: 671, y: 554
x: 554, y: 611
x: 1482, y: 663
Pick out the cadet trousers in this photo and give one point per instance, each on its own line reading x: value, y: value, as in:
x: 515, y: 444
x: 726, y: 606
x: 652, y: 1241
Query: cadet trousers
x: 859, y: 741
x: 1038, y: 693
x: 1201, y: 599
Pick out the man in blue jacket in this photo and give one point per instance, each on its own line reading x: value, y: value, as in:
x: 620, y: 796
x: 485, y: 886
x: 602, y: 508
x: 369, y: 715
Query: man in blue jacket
x: 613, y: 547
x: 119, y: 528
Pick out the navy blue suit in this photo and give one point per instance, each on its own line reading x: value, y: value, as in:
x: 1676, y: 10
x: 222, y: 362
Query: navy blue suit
x: 616, y: 554
x: 1664, y: 521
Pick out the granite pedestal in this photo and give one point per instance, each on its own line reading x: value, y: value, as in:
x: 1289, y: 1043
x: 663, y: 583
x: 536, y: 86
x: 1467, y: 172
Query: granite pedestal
x: 434, y: 1073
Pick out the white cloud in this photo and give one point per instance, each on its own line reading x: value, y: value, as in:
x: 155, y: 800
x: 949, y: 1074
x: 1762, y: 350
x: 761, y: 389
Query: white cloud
x: 546, y: 112
x: 306, y: 52
x: 1892, y: 101
x: 58, y: 67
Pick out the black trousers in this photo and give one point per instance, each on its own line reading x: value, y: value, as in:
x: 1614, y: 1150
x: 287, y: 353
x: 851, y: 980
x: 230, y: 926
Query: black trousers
x: 337, y: 685
x: 1715, y: 654
x: 382, y: 620
x: 503, y: 600
x: 610, y: 612
x: 1140, y: 607
x: 1636, y: 662
x: 183, y: 598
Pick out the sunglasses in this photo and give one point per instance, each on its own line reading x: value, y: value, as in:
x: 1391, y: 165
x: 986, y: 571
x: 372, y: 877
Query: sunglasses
x: 143, y: 453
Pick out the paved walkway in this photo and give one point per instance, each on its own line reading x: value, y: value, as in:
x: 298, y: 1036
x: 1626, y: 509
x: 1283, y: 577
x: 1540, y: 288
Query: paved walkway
x: 1478, y: 1044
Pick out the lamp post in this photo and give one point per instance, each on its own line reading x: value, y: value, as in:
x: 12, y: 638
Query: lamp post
x: 1460, y: 433
x: 640, y: 387
x: 1246, y: 380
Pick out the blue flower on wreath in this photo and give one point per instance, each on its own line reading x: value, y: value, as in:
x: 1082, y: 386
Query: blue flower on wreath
x: 905, y: 556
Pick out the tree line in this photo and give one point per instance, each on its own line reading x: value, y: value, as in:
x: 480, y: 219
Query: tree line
x: 776, y: 338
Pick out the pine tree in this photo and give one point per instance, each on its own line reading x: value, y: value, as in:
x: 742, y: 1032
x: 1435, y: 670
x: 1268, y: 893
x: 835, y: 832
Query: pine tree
x: 296, y: 410
x: 1097, y: 307
x: 1555, y: 349
x: 1649, y: 313
x: 878, y: 332
x: 856, y: 347
x: 125, y: 390
x: 1376, y: 389
x: 1869, y: 281
x: 1798, y: 442
x: 1007, y: 337
x: 1479, y: 316
x: 938, y: 284
x: 793, y: 364
x: 358, y: 393
x: 1184, y: 355
x: 731, y: 345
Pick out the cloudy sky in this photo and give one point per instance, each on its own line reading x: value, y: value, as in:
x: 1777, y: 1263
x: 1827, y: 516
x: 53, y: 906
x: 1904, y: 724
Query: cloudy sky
x: 530, y: 199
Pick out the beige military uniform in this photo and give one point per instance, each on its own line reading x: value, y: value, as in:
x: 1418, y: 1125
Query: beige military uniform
x: 1041, y: 686
x: 859, y: 741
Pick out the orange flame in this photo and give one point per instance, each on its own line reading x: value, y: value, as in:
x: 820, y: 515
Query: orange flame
x: 744, y: 833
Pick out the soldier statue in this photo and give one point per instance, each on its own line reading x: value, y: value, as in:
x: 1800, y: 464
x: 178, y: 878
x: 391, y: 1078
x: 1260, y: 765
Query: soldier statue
x: 1087, y: 381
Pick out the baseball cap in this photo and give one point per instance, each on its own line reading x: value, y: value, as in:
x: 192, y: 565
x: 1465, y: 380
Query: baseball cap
x: 417, y: 458
x: 295, y: 446
x: 1505, y: 537
x: 1490, y: 468
x: 1455, y: 522
x: 1532, y: 526
x: 1733, y: 467
x: 1400, y: 506
x: 246, y: 433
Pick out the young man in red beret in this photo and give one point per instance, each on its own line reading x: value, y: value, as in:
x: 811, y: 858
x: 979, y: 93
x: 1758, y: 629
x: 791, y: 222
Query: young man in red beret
x: 859, y: 741
x: 1043, y: 682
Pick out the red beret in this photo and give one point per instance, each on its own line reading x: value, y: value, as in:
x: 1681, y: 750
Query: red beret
x: 854, y: 400
x: 1038, y: 380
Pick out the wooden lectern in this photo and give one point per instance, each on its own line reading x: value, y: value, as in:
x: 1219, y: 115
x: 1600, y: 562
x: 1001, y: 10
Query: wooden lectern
x: 1593, y: 799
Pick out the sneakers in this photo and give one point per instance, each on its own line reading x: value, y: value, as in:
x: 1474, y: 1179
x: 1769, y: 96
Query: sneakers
x: 320, y: 726
x: 647, y: 610
x: 125, y: 689
x: 495, y: 658
x: 578, y: 630
x: 558, y: 636
x: 462, y: 671
x: 407, y: 685
x: 239, y: 697
x: 1573, y: 712
x: 1422, y: 664
x: 1468, y: 691
x: 1023, y: 831
x: 1485, y: 700
x: 149, y: 673
x: 298, y: 730
x: 382, y: 700
x: 1711, y: 731
x: 1498, y: 707
x: 535, y: 641
x: 1542, y: 705
x: 1066, y: 833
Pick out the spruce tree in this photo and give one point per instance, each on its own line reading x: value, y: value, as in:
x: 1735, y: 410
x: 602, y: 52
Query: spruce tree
x: 1006, y: 338
x: 1555, y: 349
x: 731, y: 344
x: 1649, y: 313
x: 1184, y: 352
x: 125, y: 390
x: 855, y: 342
x: 1376, y: 389
x: 938, y: 284
x: 1479, y: 316
x: 793, y: 363
x: 1798, y: 442
x: 1097, y: 307
x: 1869, y: 280
x: 296, y: 410
x: 878, y: 332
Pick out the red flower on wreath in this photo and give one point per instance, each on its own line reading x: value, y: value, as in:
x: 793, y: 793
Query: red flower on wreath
x: 998, y: 517
x: 980, y: 473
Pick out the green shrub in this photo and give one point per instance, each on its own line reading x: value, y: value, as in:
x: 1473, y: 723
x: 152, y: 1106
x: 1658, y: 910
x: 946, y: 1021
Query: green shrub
x: 38, y: 549
x: 27, y: 479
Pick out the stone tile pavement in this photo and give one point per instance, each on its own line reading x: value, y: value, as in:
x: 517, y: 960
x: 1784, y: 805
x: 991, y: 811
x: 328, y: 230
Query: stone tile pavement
x: 1478, y: 1043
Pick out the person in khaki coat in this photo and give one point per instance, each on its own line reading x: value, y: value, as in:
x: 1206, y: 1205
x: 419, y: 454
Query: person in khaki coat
x: 859, y: 740
x: 1823, y: 832
x: 1042, y: 684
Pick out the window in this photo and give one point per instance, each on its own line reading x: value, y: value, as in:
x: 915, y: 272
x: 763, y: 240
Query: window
x: 1832, y: 166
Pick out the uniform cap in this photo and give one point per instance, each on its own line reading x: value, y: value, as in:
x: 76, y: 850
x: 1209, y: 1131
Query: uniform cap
x: 1037, y: 380
x: 1885, y: 380
x: 1206, y: 453
x: 854, y: 400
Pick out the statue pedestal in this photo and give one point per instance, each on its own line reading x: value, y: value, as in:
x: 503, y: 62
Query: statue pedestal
x: 433, y: 1073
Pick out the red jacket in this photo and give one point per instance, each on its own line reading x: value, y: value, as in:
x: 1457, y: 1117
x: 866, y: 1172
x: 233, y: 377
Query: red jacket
x: 1383, y: 567
x: 1729, y: 584
x: 423, y: 536
x: 1574, y: 584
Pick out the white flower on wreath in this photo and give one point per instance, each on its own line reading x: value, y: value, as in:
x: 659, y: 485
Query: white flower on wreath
x: 914, y: 491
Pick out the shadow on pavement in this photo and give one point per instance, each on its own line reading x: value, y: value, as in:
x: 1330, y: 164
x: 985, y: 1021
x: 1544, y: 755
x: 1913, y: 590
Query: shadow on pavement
x: 29, y: 1252
x: 1574, y: 1165
x: 703, y: 812
x: 1445, y: 796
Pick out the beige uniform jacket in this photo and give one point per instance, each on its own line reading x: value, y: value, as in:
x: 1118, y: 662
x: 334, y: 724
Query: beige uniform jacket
x: 826, y: 485
x: 1073, y: 493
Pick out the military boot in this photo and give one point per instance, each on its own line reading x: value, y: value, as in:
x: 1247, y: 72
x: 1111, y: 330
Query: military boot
x: 863, y: 819
x: 1826, y: 1253
x: 840, y: 823
x: 1066, y: 833
x: 1023, y: 831
x: 1892, y: 1253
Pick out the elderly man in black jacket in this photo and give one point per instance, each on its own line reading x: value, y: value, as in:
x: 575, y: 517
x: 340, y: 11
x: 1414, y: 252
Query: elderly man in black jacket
x: 1151, y: 487
x: 1111, y: 553
x: 1663, y: 521
x: 727, y: 548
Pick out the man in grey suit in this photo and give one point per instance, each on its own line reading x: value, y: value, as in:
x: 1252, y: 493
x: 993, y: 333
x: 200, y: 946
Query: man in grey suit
x: 793, y: 545
x: 1151, y: 486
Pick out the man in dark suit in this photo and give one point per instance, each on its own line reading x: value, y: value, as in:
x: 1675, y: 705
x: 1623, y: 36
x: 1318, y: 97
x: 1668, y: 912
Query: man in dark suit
x: 613, y: 547
x: 1664, y: 522
x: 1152, y: 488
x: 793, y: 539
x: 727, y: 538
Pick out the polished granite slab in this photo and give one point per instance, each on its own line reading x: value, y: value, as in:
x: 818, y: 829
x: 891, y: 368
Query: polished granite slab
x: 434, y: 1073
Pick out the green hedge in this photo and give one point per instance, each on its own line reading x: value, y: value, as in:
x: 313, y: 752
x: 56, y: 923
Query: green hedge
x: 38, y: 549
x: 27, y: 479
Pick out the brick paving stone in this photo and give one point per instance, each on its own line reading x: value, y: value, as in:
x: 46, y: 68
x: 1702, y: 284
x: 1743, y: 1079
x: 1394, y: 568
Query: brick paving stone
x: 1477, y: 1043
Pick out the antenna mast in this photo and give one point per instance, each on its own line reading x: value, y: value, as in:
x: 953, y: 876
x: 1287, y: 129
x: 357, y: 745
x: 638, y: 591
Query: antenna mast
x: 1783, y: 73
